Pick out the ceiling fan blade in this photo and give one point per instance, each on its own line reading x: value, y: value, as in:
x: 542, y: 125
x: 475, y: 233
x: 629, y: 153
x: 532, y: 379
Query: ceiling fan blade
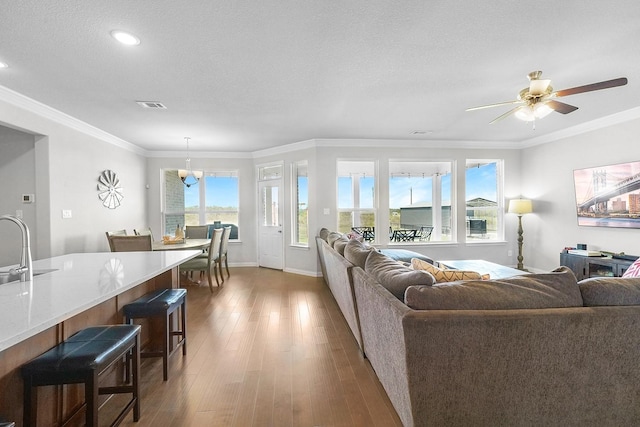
x: 517, y: 101
x: 507, y: 114
x: 560, y: 107
x: 593, y: 86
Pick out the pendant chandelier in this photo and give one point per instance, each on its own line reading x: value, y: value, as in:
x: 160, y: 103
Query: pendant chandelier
x: 188, y: 176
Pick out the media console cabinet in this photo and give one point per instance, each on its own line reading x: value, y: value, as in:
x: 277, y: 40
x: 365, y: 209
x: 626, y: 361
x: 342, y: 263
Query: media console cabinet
x: 594, y: 266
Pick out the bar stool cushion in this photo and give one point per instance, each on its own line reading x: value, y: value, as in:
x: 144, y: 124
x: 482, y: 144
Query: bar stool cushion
x: 90, y: 349
x: 155, y: 303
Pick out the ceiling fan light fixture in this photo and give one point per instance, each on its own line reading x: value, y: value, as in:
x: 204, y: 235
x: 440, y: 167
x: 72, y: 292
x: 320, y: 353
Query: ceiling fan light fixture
x: 533, y: 112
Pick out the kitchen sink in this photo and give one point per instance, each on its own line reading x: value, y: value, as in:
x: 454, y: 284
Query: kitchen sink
x: 7, y: 278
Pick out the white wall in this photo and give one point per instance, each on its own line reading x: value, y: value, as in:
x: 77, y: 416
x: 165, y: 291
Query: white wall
x: 67, y: 166
x: 17, y: 177
x: 548, y: 180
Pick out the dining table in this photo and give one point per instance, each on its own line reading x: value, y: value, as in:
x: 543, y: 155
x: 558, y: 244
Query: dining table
x: 161, y: 245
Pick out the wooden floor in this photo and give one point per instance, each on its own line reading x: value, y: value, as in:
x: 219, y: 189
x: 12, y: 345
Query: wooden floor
x: 266, y: 349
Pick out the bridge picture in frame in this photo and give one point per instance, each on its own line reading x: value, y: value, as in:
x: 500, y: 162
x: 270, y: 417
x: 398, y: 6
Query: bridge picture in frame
x: 608, y: 196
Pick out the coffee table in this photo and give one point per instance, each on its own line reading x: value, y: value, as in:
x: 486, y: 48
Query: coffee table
x: 495, y: 271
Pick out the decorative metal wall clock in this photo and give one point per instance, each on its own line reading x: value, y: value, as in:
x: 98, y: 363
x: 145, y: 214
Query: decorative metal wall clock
x: 110, y: 191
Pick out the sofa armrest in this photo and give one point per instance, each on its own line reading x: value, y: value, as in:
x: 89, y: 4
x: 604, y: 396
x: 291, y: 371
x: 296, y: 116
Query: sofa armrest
x: 381, y: 323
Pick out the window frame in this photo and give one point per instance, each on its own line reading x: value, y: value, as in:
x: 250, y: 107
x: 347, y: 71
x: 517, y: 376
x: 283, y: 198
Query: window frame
x: 370, y: 171
x: 433, y: 169
x: 296, y: 237
x: 500, y: 200
x: 202, y: 210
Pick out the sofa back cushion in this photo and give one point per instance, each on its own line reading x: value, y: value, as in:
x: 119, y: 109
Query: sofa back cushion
x: 340, y: 243
x: 324, y: 234
x: 557, y: 289
x: 333, y: 236
x: 395, y: 277
x: 357, y: 252
x: 599, y: 291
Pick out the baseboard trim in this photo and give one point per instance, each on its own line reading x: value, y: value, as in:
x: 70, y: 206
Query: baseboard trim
x: 303, y: 272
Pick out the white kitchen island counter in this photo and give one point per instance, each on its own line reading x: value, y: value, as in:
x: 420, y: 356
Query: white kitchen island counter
x: 77, y: 283
x: 81, y: 290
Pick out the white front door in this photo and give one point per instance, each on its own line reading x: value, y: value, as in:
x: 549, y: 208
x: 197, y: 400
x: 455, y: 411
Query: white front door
x: 270, y: 225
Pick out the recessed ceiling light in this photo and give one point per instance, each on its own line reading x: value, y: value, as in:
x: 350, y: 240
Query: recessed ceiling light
x: 125, y: 38
x: 3, y: 65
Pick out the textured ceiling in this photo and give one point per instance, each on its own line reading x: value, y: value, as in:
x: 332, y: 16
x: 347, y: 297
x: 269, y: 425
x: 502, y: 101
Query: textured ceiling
x: 249, y: 75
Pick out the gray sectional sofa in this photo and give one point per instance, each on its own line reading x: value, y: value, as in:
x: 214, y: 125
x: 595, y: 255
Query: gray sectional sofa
x: 535, y: 350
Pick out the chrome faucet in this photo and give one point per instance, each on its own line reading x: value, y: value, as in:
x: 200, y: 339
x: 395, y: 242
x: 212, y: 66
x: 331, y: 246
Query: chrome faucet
x: 25, y: 270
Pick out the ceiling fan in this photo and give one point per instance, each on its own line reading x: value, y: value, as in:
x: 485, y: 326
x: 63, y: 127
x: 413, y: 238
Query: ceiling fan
x: 538, y: 100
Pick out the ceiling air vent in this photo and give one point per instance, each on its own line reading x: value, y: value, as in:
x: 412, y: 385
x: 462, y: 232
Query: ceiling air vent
x: 151, y: 104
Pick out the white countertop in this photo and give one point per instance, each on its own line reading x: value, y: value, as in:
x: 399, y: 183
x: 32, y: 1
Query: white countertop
x: 79, y: 282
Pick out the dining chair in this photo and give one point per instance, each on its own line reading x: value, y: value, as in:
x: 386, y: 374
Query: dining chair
x: 223, y: 252
x: 143, y: 232
x: 424, y: 234
x: 196, y: 232
x: 114, y: 233
x: 130, y: 243
x: 209, y: 263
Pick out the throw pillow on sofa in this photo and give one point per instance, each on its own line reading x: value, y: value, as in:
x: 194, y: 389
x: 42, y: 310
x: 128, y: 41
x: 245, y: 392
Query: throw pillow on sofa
x: 445, y: 275
x: 599, y: 291
x: 395, y: 277
x: 557, y: 289
x: 357, y: 252
x: 633, y: 270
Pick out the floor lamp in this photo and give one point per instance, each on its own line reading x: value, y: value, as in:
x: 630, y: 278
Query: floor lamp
x: 520, y: 207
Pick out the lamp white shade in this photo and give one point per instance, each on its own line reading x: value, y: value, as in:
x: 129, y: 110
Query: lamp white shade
x: 520, y: 206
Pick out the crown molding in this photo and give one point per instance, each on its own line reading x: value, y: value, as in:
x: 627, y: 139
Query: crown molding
x: 24, y: 102
x: 200, y: 154
x: 412, y: 143
x: 287, y: 148
x: 603, y: 122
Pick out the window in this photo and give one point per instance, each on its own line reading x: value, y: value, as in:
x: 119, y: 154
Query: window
x: 483, y: 197
x: 420, y: 201
x: 356, y: 195
x: 300, y: 181
x: 213, y: 200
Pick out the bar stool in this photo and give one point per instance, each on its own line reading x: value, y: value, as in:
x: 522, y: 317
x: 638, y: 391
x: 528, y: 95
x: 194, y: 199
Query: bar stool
x: 82, y: 358
x: 162, y: 303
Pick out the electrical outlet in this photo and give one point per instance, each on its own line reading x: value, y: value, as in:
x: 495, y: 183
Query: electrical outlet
x: 66, y: 213
x: 19, y: 213
x: 326, y: 211
x: 509, y: 252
